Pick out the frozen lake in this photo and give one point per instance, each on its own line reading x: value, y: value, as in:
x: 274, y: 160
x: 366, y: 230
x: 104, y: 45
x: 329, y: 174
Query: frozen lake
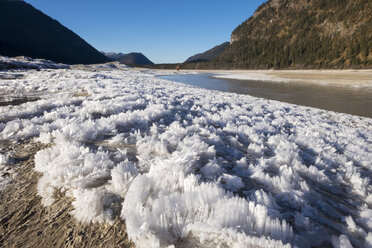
x: 356, y: 101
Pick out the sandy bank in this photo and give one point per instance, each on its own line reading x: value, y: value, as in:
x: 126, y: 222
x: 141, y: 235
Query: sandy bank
x: 351, y: 78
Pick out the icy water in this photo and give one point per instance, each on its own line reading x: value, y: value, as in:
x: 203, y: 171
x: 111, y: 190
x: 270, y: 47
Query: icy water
x: 356, y: 101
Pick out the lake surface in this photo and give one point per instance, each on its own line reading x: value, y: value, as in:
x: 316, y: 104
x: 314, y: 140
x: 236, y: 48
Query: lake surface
x: 356, y: 101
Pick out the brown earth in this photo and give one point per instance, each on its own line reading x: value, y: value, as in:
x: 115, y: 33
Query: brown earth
x: 25, y: 222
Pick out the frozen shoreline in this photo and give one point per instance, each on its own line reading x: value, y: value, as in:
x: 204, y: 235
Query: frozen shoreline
x: 346, y: 78
x: 189, y: 165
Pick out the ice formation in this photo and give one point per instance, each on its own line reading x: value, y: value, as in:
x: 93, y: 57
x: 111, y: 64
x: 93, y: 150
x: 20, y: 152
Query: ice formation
x: 183, y: 164
x: 6, y: 171
x: 29, y: 63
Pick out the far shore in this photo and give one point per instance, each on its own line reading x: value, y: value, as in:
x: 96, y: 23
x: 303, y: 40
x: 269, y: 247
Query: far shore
x: 349, y: 77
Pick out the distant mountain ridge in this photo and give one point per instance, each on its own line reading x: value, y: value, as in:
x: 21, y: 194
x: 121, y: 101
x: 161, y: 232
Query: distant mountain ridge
x: 209, y: 54
x: 114, y: 56
x: 135, y: 59
x: 303, y: 34
x: 129, y: 58
x: 26, y: 31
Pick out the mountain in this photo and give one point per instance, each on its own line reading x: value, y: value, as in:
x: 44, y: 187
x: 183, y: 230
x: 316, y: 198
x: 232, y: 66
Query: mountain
x: 303, y: 34
x: 114, y: 56
x: 135, y: 59
x: 26, y: 31
x: 129, y: 59
x: 208, y: 55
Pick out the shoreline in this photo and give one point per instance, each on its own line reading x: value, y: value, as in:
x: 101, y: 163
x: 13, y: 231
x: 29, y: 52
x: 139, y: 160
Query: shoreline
x: 348, y: 77
x: 31, y: 224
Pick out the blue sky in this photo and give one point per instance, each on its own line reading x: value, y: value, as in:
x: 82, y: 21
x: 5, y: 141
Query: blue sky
x: 165, y: 31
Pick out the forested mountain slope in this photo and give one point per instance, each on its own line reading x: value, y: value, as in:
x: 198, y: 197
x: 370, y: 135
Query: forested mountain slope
x: 135, y: 59
x: 209, y: 54
x: 303, y: 34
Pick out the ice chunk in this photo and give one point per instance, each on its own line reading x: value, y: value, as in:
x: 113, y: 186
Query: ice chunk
x: 341, y: 242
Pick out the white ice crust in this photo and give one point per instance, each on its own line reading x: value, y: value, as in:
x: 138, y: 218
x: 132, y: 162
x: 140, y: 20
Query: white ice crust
x: 22, y: 62
x: 184, y: 165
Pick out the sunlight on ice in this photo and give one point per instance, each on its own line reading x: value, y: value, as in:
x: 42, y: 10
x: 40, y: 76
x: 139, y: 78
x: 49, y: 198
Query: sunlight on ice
x: 182, y: 164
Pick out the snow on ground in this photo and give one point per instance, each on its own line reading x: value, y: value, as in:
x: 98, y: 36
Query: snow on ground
x: 344, y: 78
x: 28, y: 63
x: 188, y: 165
x: 7, y: 173
x: 115, y: 65
x: 255, y: 76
